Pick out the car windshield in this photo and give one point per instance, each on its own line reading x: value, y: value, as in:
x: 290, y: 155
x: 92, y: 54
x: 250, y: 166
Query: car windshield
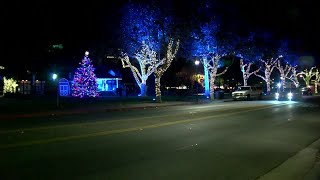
x: 243, y: 88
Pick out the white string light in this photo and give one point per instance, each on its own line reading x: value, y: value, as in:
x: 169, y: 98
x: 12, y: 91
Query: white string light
x: 145, y: 57
x: 245, y: 69
x: 269, y: 66
x: 307, y: 75
x: 162, y: 65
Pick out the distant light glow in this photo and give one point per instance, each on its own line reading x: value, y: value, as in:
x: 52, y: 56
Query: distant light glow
x: 279, y: 85
x: 87, y: 53
x: 54, y: 76
x: 57, y: 46
x: 197, y: 62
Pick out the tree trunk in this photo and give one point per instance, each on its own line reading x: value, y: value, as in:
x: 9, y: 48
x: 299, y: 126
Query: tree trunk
x: 268, y: 86
x: 283, y: 80
x: 316, y: 88
x: 206, y: 82
x: 244, y: 76
x: 143, y: 91
x: 212, y: 78
x: 157, y: 88
x: 245, y: 83
x: 268, y: 81
x: 307, y: 83
x: 284, y: 84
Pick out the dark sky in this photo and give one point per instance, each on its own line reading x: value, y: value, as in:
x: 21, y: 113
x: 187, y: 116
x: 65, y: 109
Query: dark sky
x: 29, y: 27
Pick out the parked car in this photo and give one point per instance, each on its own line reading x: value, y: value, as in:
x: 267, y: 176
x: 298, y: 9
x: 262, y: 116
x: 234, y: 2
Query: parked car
x: 247, y: 92
x: 290, y: 94
x: 306, y: 91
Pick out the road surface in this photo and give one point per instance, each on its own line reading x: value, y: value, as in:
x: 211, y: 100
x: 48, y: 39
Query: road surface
x: 230, y: 140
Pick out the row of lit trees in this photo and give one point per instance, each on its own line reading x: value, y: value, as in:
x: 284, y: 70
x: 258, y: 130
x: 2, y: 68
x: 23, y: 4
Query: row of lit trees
x: 145, y: 30
x: 151, y: 45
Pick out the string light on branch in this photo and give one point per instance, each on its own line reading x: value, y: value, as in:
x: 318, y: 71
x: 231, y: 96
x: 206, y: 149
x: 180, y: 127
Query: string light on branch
x: 146, y: 65
x: 162, y: 65
x: 307, y: 75
x: 268, y: 67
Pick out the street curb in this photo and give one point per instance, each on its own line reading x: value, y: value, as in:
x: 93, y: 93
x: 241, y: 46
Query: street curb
x: 87, y: 111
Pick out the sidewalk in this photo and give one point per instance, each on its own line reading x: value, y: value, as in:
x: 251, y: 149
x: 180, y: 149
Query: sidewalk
x: 108, y: 108
x: 304, y: 165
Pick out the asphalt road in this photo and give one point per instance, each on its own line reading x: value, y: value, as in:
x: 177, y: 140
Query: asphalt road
x: 230, y: 140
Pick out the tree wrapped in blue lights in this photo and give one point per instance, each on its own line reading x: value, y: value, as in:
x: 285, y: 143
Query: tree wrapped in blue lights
x: 145, y: 33
x: 141, y: 33
x: 84, y: 81
x: 210, y: 49
x: 140, y: 24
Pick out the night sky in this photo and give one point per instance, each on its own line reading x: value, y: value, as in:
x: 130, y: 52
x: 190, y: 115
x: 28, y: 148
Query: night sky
x: 30, y: 27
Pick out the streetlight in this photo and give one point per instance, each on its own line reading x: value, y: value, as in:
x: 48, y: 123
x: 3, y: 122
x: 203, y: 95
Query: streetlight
x: 197, y: 62
x: 54, y: 77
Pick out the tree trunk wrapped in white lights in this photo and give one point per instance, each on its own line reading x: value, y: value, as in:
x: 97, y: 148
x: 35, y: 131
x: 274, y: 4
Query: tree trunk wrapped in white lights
x: 316, y: 81
x: 294, y: 77
x: 307, y: 75
x: 284, y: 73
x: 268, y: 67
x: 162, y: 66
x: 245, y: 69
x: 145, y: 58
x: 212, y: 66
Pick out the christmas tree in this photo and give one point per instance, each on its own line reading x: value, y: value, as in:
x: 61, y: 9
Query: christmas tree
x: 84, y: 81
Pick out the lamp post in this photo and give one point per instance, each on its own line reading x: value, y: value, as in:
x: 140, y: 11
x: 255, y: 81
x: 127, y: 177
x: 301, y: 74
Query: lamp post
x: 197, y: 62
x: 54, y: 77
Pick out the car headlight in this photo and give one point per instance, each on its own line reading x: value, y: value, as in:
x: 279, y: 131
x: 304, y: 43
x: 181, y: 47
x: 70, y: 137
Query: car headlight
x: 290, y: 95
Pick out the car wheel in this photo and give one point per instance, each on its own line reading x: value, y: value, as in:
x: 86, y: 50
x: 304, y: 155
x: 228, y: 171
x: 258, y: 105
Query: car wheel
x: 248, y: 97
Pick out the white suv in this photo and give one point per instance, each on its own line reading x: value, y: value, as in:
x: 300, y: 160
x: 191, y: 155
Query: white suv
x: 247, y: 92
